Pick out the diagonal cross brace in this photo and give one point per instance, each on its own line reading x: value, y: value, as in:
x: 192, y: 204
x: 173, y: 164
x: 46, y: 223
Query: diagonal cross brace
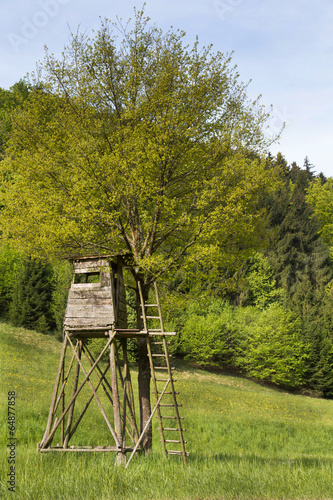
x: 148, y: 422
x: 57, y: 423
x: 114, y: 435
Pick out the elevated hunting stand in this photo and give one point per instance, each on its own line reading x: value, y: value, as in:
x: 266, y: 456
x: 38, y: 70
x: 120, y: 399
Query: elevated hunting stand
x: 96, y: 309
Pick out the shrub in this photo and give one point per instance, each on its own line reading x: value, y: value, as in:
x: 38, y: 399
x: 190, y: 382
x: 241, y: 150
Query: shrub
x: 272, y: 348
x: 264, y: 344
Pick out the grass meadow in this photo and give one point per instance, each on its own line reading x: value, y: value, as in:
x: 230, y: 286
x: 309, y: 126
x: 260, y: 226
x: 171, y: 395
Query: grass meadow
x: 246, y: 441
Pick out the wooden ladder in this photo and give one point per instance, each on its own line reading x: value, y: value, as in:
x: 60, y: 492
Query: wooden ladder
x: 167, y: 408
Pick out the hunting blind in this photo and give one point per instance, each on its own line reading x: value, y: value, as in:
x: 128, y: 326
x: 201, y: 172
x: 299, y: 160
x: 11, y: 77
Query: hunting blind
x: 97, y: 309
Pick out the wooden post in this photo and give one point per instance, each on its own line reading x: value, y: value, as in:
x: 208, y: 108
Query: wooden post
x: 143, y: 373
x: 54, y: 395
x: 76, y: 381
x: 62, y: 402
x: 121, y: 455
x: 48, y: 438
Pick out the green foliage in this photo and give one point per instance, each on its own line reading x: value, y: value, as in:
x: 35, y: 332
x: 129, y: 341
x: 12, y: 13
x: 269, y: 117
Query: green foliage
x: 10, y: 100
x: 31, y: 306
x: 264, y: 344
x: 10, y: 262
x: 272, y: 347
x: 62, y: 274
x: 139, y: 145
x: 259, y: 286
x: 208, y: 335
x: 320, y: 198
x: 302, y: 267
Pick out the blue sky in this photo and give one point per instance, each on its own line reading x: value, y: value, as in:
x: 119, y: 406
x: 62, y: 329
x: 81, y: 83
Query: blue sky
x: 285, y: 47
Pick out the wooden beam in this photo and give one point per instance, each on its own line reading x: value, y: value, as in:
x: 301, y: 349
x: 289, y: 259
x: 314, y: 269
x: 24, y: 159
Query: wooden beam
x: 51, y: 434
x: 55, y: 392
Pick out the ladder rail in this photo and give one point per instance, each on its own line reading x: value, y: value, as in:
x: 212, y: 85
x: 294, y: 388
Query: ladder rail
x: 152, y: 371
x: 157, y: 393
x: 165, y: 347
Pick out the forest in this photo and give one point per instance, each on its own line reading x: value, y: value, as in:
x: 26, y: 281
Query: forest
x: 239, y: 240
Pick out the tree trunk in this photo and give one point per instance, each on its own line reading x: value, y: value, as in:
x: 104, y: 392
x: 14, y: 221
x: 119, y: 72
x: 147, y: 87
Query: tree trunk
x: 144, y: 378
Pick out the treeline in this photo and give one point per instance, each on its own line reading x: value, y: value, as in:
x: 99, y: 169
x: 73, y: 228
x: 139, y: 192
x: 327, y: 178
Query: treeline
x: 275, y: 321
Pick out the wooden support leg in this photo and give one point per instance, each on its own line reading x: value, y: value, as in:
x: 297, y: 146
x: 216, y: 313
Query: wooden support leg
x: 54, y: 395
x: 76, y: 382
x: 121, y: 455
x: 108, y: 391
x: 48, y: 439
x: 126, y: 383
x: 87, y: 404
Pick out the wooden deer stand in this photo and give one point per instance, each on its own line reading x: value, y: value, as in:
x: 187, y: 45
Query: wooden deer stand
x: 96, y: 309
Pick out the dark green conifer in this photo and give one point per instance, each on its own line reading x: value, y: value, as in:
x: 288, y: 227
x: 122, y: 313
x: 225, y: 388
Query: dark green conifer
x: 303, y: 269
x: 32, y: 296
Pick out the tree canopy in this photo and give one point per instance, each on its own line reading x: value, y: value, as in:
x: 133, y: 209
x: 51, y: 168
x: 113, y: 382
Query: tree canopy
x: 140, y: 145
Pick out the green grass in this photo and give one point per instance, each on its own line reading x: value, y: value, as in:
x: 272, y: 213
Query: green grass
x: 246, y: 441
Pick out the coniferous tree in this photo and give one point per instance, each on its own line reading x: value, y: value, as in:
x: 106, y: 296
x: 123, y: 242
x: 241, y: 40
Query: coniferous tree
x: 303, y: 269
x: 32, y: 296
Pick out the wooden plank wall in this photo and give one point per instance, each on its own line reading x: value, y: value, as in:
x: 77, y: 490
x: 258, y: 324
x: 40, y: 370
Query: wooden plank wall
x: 91, y: 305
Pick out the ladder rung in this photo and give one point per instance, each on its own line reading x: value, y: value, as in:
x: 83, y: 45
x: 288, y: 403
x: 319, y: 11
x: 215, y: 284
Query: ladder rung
x: 151, y: 305
x: 153, y: 333
x: 173, y: 452
x: 164, y: 368
x: 159, y: 355
x: 172, y: 429
x: 169, y: 405
x: 151, y: 317
x: 173, y: 441
x: 158, y: 342
x: 173, y: 418
x: 164, y: 380
x: 169, y: 392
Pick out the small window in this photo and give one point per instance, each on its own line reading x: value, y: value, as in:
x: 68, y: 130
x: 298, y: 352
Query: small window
x: 87, y: 278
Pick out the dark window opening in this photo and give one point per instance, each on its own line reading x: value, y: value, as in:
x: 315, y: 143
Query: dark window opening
x: 93, y: 277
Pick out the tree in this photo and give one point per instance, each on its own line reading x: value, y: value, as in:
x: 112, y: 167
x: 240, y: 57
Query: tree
x: 9, y: 100
x: 31, y: 305
x: 303, y: 269
x: 320, y: 198
x: 142, y: 146
x: 10, y: 263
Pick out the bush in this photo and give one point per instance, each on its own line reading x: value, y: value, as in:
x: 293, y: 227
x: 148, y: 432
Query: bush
x: 264, y: 344
x: 209, y: 336
x: 272, y: 348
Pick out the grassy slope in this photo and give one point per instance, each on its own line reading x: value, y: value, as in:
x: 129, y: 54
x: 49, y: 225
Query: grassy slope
x: 246, y: 440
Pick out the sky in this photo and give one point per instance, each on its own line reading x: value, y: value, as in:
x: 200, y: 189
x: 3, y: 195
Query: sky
x: 284, y: 48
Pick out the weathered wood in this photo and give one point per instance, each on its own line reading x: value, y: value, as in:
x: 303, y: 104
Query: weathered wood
x: 87, y: 404
x: 115, y: 437
x: 76, y: 381
x: 88, y: 301
x: 121, y: 456
x: 91, y: 264
x: 55, y: 392
x: 97, y: 309
x: 147, y: 424
x: 113, y: 449
x: 49, y: 437
x: 131, y: 420
x: 85, y: 323
x: 89, y: 293
x: 90, y: 311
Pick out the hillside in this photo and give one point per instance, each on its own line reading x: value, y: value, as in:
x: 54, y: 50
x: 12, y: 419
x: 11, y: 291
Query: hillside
x: 245, y: 440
